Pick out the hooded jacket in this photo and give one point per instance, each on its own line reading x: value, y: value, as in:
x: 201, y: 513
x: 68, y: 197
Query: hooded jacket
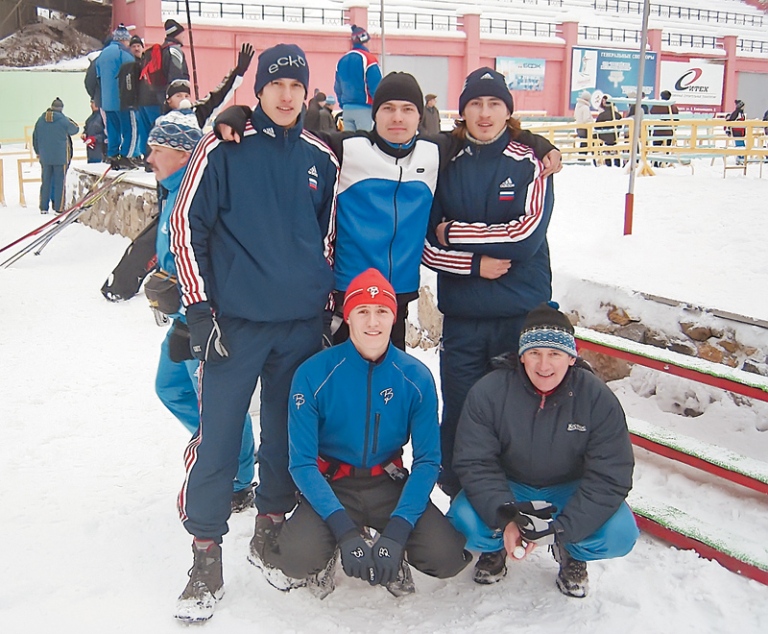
x: 252, y: 229
x: 51, y: 137
x: 510, y: 431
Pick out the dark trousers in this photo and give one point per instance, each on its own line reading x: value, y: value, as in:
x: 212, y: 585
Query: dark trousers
x: 398, y: 329
x: 272, y: 352
x: 468, y: 347
x: 52, y: 186
x: 306, y: 543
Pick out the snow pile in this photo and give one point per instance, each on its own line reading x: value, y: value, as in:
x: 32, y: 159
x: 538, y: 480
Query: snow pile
x: 47, y: 42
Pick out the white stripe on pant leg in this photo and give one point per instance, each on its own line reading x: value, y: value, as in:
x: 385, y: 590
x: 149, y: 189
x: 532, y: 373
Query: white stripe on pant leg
x: 134, y: 132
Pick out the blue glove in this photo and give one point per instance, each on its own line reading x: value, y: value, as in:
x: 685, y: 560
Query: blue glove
x: 206, y: 341
x: 387, y: 557
x: 356, y: 559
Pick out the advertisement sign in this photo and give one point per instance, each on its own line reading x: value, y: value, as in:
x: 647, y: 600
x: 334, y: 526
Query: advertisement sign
x: 697, y: 84
x: 611, y: 71
x: 521, y: 73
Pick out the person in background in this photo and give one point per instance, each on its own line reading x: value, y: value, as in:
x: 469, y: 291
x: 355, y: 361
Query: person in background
x: 544, y: 458
x: 662, y: 135
x: 607, y: 134
x: 430, y: 120
x: 52, y: 142
x: 353, y: 409
x: 487, y: 240
x: 357, y: 78
x: 120, y: 126
x: 582, y: 114
x: 314, y: 107
x: 174, y: 63
x: 738, y: 134
x: 327, y: 121
x: 93, y: 135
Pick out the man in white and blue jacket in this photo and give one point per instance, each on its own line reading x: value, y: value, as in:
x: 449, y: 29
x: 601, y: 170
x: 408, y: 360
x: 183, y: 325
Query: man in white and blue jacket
x: 353, y: 408
x: 251, y: 234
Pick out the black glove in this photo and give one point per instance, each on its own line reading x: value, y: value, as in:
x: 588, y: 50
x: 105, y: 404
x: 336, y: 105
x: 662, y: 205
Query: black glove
x: 206, y: 341
x: 244, y: 58
x: 356, y: 558
x: 533, y: 519
x: 235, y: 117
x: 387, y: 556
x: 178, y: 342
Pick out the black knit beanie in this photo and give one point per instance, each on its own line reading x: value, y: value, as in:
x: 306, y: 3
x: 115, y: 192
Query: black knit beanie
x: 485, y: 82
x: 398, y: 87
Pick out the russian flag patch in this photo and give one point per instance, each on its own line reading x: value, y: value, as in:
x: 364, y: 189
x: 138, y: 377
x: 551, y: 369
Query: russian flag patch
x: 507, y: 190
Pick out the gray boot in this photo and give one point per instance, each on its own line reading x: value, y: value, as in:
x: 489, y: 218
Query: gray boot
x: 322, y: 583
x: 403, y: 585
x: 572, y: 579
x: 204, y: 588
x: 264, y: 538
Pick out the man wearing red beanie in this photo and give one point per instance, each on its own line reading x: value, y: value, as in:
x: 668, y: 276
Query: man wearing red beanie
x: 352, y: 409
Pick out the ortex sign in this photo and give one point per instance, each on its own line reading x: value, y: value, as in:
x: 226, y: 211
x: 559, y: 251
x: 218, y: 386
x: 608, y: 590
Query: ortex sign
x: 522, y: 73
x: 694, y: 83
x: 611, y: 71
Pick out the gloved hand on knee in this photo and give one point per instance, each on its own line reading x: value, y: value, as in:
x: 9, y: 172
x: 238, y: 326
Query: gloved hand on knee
x: 533, y: 519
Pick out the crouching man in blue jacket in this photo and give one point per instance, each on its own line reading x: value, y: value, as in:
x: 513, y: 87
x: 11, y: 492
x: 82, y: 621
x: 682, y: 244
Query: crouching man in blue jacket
x: 353, y: 407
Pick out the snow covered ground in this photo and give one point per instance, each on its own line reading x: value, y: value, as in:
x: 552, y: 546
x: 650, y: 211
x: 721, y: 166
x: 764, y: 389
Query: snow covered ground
x: 90, y: 462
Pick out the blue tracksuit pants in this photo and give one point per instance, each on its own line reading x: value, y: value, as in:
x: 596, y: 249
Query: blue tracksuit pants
x: 122, y: 133
x: 272, y: 352
x: 146, y: 121
x: 52, y: 186
x: 176, y: 387
x: 468, y: 347
x: 613, y: 539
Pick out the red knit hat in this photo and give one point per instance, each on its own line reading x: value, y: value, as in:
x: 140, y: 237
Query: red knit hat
x: 370, y: 287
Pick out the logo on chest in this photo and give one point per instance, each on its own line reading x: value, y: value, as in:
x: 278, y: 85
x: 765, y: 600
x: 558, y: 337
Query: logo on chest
x: 507, y: 190
x: 312, y: 175
x: 387, y: 394
x: 575, y: 427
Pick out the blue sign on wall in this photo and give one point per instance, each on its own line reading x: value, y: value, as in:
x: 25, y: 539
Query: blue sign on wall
x: 611, y: 71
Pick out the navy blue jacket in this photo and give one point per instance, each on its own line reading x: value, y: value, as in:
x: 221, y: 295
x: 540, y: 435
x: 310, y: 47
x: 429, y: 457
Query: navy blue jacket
x: 94, y: 126
x: 362, y: 413
x: 252, y: 229
x: 497, y: 205
x: 51, y: 138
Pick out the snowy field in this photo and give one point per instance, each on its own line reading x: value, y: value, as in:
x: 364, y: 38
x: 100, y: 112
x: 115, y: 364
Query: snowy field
x: 91, y: 462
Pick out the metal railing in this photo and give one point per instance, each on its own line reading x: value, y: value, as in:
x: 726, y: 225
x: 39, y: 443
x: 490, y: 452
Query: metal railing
x: 691, y: 41
x: 517, y: 27
x: 683, y: 13
x: 609, y: 33
x: 413, y: 21
x: 260, y: 12
x: 752, y: 46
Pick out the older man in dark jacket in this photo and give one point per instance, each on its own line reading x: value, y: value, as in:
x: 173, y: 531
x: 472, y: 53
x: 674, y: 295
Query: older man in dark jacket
x: 544, y: 458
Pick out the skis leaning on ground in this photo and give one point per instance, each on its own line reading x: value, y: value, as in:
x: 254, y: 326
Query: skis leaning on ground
x: 46, y: 232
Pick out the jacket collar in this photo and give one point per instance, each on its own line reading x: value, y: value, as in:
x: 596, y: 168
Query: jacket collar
x: 266, y: 127
x: 173, y: 182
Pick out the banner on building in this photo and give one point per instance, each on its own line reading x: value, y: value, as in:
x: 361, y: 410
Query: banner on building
x: 611, y: 71
x: 695, y: 85
x: 521, y: 73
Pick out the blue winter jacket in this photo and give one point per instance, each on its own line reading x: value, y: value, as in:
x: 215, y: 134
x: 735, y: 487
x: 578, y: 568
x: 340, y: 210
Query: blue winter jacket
x: 108, y: 64
x: 497, y: 205
x: 362, y: 413
x: 252, y: 229
x: 51, y: 138
x: 357, y: 77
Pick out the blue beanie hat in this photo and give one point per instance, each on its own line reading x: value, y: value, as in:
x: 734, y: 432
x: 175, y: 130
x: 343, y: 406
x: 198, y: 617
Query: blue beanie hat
x: 177, y: 130
x: 282, y: 61
x: 120, y: 34
x: 485, y: 82
x: 359, y: 35
x: 547, y: 327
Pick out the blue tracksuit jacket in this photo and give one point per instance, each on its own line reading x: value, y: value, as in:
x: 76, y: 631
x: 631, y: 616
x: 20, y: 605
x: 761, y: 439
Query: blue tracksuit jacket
x: 357, y: 77
x: 361, y: 413
x: 253, y: 227
x: 108, y: 64
x: 51, y: 138
x: 499, y: 206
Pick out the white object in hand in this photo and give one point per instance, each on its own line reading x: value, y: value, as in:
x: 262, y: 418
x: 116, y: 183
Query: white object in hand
x: 519, y: 552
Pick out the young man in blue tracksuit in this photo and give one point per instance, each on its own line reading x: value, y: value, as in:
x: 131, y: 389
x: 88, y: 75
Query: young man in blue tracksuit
x: 251, y: 234
x: 357, y: 78
x: 173, y: 138
x: 122, y: 128
x: 353, y: 408
x: 487, y: 241
x: 52, y: 142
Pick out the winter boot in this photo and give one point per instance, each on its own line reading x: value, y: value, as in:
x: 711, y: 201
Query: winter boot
x: 205, y: 586
x: 403, y: 585
x: 322, y: 583
x: 265, y: 538
x: 572, y: 580
x: 490, y: 567
x: 242, y: 499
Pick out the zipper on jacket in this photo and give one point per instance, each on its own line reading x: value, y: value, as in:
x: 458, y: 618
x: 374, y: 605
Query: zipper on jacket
x: 394, y: 229
x: 377, y: 420
x: 367, y: 416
